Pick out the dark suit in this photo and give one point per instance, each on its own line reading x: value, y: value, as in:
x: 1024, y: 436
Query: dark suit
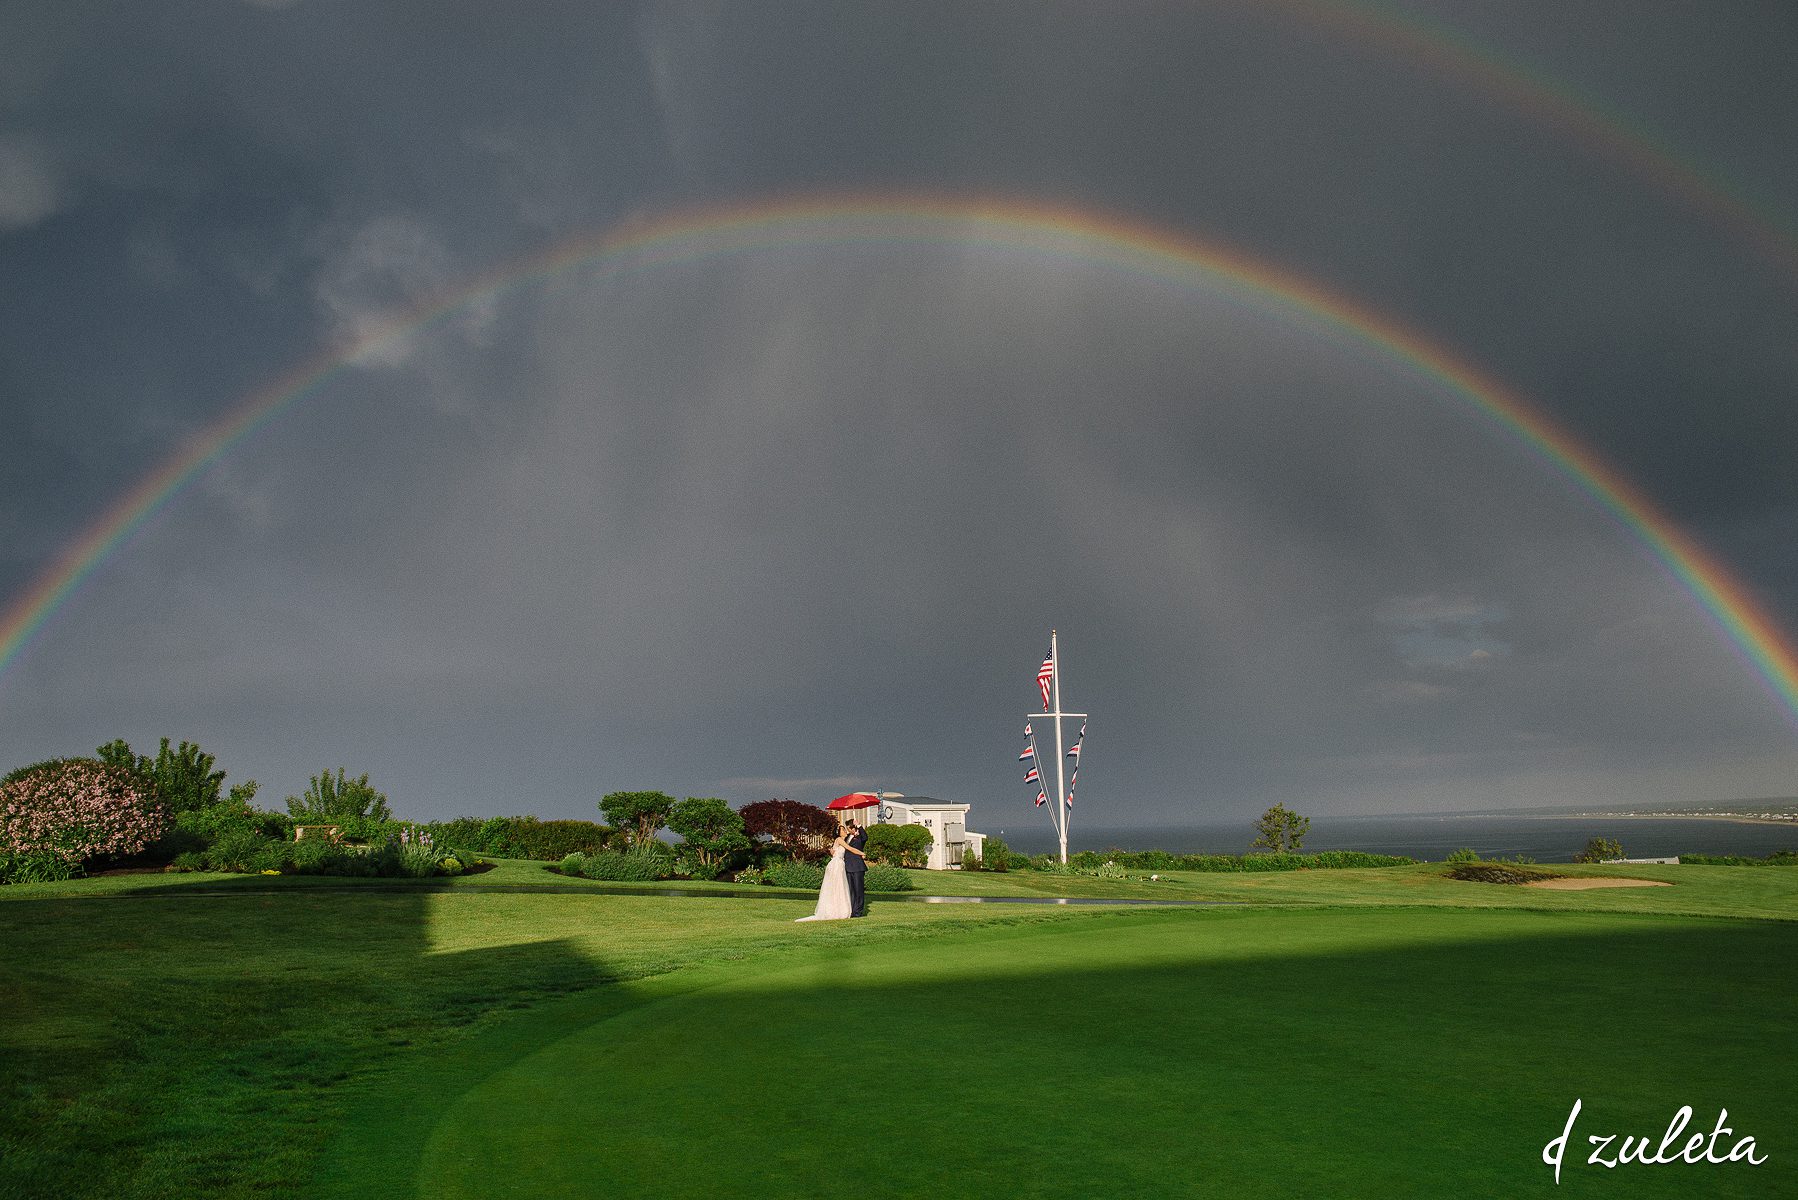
x: 855, y: 868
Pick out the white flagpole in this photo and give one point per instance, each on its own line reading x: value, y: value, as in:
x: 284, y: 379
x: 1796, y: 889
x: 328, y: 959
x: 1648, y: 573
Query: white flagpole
x: 1058, y: 817
x: 1061, y: 814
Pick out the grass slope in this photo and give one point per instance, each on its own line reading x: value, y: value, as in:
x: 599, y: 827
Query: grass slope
x: 1238, y: 1053
x: 163, y: 1039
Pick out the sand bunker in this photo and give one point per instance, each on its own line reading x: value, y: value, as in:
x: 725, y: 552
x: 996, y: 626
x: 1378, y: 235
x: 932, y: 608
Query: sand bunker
x: 1580, y: 885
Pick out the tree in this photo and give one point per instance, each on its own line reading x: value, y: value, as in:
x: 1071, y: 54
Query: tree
x: 637, y: 814
x: 329, y: 799
x: 803, y: 830
x: 709, y: 826
x: 1280, y: 829
x: 1600, y: 849
x: 181, y: 780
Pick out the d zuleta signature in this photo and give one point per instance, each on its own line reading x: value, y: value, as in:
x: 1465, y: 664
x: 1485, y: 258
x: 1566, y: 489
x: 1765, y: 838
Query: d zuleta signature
x: 1699, y: 1148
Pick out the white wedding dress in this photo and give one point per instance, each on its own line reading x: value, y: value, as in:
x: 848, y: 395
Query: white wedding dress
x: 833, y: 897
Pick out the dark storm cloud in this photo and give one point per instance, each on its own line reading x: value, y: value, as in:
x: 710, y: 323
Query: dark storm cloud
x: 791, y: 521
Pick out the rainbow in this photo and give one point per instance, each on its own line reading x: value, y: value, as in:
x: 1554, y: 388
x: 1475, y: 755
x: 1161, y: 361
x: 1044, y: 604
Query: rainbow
x: 1038, y: 230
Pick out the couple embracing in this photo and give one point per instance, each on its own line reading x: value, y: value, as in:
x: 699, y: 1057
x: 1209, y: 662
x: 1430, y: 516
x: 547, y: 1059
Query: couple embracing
x: 842, y: 894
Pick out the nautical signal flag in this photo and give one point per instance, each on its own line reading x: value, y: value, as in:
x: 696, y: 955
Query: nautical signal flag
x: 1045, y: 678
x: 1074, y: 750
x: 1031, y: 775
x: 1042, y: 798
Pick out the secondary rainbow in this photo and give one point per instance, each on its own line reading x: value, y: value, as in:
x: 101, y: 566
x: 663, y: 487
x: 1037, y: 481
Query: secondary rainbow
x: 1579, y: 118
x: 1026, y: 228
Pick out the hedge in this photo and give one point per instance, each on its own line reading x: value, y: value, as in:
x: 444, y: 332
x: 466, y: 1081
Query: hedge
x: 1161, y: 860
x: 522, y: 837
x: 624, y: 866
x: 1779, y: 858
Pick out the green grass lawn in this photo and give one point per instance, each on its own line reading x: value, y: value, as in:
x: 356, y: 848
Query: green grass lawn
x: 1345, y: 1033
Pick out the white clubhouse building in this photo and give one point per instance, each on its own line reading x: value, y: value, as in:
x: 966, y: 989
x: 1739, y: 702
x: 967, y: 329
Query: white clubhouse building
x: 948, y: 825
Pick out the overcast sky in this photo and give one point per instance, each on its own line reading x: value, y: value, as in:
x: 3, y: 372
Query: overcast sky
x: 792, y: 521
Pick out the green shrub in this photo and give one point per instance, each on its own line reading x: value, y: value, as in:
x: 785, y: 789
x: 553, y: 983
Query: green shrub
x: 1779, y: 858
x: 995, y: 855
x: 1161, y: 860
x: 417, y: 860
x: 271, y: 856
x: 790, y: 874
x: 236, y: 850
x: 1463, y: 855
x: 970, y: 860
x: 318, y: 856
x: 489, y: 835
x: 189, y: 860
x: 900, y: 845
x: 174, y: 842
x: 689, y: 865
x: 749, y: 875
x: 521, y: 837
x: 572, y: 863
x: 36, y: 866
x: 624, y: 867
x: 884, y: 878
x: 212, y: 822
x: 1600, y: 849
x: 383, y: 860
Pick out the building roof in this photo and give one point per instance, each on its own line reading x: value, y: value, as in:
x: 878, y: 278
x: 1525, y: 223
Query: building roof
x: 926, y: 802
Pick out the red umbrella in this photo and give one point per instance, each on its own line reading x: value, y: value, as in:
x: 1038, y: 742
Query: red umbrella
x: 855, y: 800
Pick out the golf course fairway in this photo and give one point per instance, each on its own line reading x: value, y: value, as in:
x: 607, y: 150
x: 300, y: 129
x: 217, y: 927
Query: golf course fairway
x: 1227, y: 1052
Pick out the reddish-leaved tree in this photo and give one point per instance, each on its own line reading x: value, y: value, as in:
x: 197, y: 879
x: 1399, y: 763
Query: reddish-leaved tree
x: 804, y: 830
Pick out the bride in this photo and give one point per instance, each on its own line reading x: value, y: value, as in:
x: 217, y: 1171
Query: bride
x: 833, y: 896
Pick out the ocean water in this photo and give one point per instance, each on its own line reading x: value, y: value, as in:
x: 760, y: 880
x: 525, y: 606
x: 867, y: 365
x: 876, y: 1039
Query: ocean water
x: 1432, y: 837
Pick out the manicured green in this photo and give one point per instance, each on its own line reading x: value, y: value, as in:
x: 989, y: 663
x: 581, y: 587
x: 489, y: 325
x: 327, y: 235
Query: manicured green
x: 1244, y: 1053
x: 207, y: 1035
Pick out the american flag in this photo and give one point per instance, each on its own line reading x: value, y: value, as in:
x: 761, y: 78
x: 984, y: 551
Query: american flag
x: 1045, y: 678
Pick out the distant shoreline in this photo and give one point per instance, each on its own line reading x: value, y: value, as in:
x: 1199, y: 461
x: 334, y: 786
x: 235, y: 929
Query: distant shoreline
x: 1733, y: 818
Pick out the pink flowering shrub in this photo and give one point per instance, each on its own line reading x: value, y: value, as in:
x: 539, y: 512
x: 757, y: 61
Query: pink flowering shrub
x: 72, y: 811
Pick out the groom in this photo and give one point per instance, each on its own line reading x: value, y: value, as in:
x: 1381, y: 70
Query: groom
x: 855, y: 869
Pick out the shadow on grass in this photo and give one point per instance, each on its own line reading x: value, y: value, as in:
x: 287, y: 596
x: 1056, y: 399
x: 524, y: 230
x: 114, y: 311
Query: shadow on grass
x: 1240, y: 1054
x: 189, y: 1046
